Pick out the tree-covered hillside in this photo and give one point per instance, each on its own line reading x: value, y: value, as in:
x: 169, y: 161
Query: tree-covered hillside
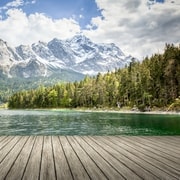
x: 9, y: 86
x: 154, y: 82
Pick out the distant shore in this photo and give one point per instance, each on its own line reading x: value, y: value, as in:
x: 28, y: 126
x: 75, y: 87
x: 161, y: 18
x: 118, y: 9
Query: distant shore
x: 128, y: 111
x: 125, y: 111
x: 109, y: 110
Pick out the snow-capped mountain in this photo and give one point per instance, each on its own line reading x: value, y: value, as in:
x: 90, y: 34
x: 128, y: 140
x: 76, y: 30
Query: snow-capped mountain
x: 78, y: 54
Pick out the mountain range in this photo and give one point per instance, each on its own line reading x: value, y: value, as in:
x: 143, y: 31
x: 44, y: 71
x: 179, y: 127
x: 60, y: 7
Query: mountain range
x: 78, y: 56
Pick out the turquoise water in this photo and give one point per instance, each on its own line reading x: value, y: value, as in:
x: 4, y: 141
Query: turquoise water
x: 59, y: 122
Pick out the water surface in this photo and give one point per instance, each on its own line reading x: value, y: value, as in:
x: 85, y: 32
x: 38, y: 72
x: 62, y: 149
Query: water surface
x: 68, y: 122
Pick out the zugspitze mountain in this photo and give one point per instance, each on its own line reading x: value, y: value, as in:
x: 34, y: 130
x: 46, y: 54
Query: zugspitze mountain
x: 78, y: 54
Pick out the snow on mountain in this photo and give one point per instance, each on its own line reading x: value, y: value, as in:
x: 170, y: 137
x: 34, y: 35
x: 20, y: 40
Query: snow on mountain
x: 78, y: 54
x: 8, y: 57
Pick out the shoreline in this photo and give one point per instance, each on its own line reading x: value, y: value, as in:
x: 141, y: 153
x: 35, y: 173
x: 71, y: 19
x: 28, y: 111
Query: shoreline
x: 121, y: 111
x: 130, y: 112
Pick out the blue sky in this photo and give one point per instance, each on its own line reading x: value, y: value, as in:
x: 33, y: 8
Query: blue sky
x: 80, y: 10
x: 138, y: 27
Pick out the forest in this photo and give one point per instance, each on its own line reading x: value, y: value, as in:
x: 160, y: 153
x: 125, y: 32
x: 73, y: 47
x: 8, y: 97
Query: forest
x: 153, y: 82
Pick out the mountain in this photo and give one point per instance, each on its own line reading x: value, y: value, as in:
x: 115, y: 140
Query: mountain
x: 77, y: 56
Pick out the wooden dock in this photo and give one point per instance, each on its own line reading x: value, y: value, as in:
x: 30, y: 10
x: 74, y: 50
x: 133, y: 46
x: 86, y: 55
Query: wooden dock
x: 89, y: 157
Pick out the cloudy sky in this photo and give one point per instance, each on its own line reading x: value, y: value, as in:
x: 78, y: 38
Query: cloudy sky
x: 138, y: 27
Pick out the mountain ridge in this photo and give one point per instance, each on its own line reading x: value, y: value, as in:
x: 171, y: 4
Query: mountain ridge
x: 78, y: 54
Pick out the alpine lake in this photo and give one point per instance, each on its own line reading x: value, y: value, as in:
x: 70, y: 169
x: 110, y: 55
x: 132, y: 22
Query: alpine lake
x: 71, y: 122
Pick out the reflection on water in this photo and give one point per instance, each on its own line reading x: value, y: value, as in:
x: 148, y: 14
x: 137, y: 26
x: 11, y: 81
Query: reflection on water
x: 49, y: 122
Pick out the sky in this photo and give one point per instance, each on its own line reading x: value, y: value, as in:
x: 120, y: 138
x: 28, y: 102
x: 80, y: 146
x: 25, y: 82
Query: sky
x: 138, y: 27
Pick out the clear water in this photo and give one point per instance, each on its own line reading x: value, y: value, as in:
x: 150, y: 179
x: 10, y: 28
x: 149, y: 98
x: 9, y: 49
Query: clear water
x: 59, y: 122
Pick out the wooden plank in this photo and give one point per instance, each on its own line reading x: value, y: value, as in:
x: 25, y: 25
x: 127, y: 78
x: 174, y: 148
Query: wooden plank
x: 2, y: 138
x: 33, y: 166
x: 163, y: 142
x: 164, y: 145
x: 157, y: 145
x: 7, y: 163
x: 5, y: 141
x: 167, y: 165
x: 175, y: 138
x: 166, y: 170
x: 92, y: 169
x: 89, y: 157
x: 160, y: 141
x: 8, y: 147
x: 19, y: 165
x: 170, y: 140
x: 111, y: 149
x: 62, y: 168
x: 129, y: 152
x: 156, y: 153
x: 77, y: 169
x: 47, y: 165
x: 118, y: 165
x: 108, y: 170
x: 175, y: 144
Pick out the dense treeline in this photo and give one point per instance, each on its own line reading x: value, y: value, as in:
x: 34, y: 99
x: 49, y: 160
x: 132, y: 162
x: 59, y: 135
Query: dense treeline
x: 153, y: 82
x: 9, y: 86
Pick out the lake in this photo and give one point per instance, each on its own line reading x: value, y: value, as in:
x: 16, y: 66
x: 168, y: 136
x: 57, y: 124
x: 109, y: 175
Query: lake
x: 69, y: 122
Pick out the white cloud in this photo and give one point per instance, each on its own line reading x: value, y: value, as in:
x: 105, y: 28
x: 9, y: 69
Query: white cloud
x: 33, y: 2
x: 134, y: 27
x: 19, y: 28
x: 81, y: 16
x: 30, y: 2
x: 15, y: 3
x: 12, y: 4
x: 130, y: 24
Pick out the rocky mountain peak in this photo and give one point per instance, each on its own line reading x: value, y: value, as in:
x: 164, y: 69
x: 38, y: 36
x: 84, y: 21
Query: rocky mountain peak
x: 79, y: 39
x: 78, y: 54
x: 3, y: 43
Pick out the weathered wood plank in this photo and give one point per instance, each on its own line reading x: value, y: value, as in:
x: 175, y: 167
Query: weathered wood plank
x: 62, y: 168
x: 166, y: 171
x: 170, y: 140
x: 108, y: 170
x: 168, y: 166
x: 5, y: 141
x: 155, y: 143
x: 77, y: 169
x: 118, y: 165
x: 7, y: 163
x: 2, y: 138
x: 156, y: 153
x: 8, y: 147
x: 19, y: 165
x: 47, y: 164
x: 89, y: 157
x: 137, y: 158
x: 111, y: 149
x: 164, y: 142
x: 32, y: 170
x: 92, y: 169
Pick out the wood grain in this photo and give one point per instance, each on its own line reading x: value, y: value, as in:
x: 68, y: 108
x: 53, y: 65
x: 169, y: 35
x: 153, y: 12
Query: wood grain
x: 89, y: 157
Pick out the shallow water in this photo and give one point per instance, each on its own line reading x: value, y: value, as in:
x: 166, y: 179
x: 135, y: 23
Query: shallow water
x: 68, y: 122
